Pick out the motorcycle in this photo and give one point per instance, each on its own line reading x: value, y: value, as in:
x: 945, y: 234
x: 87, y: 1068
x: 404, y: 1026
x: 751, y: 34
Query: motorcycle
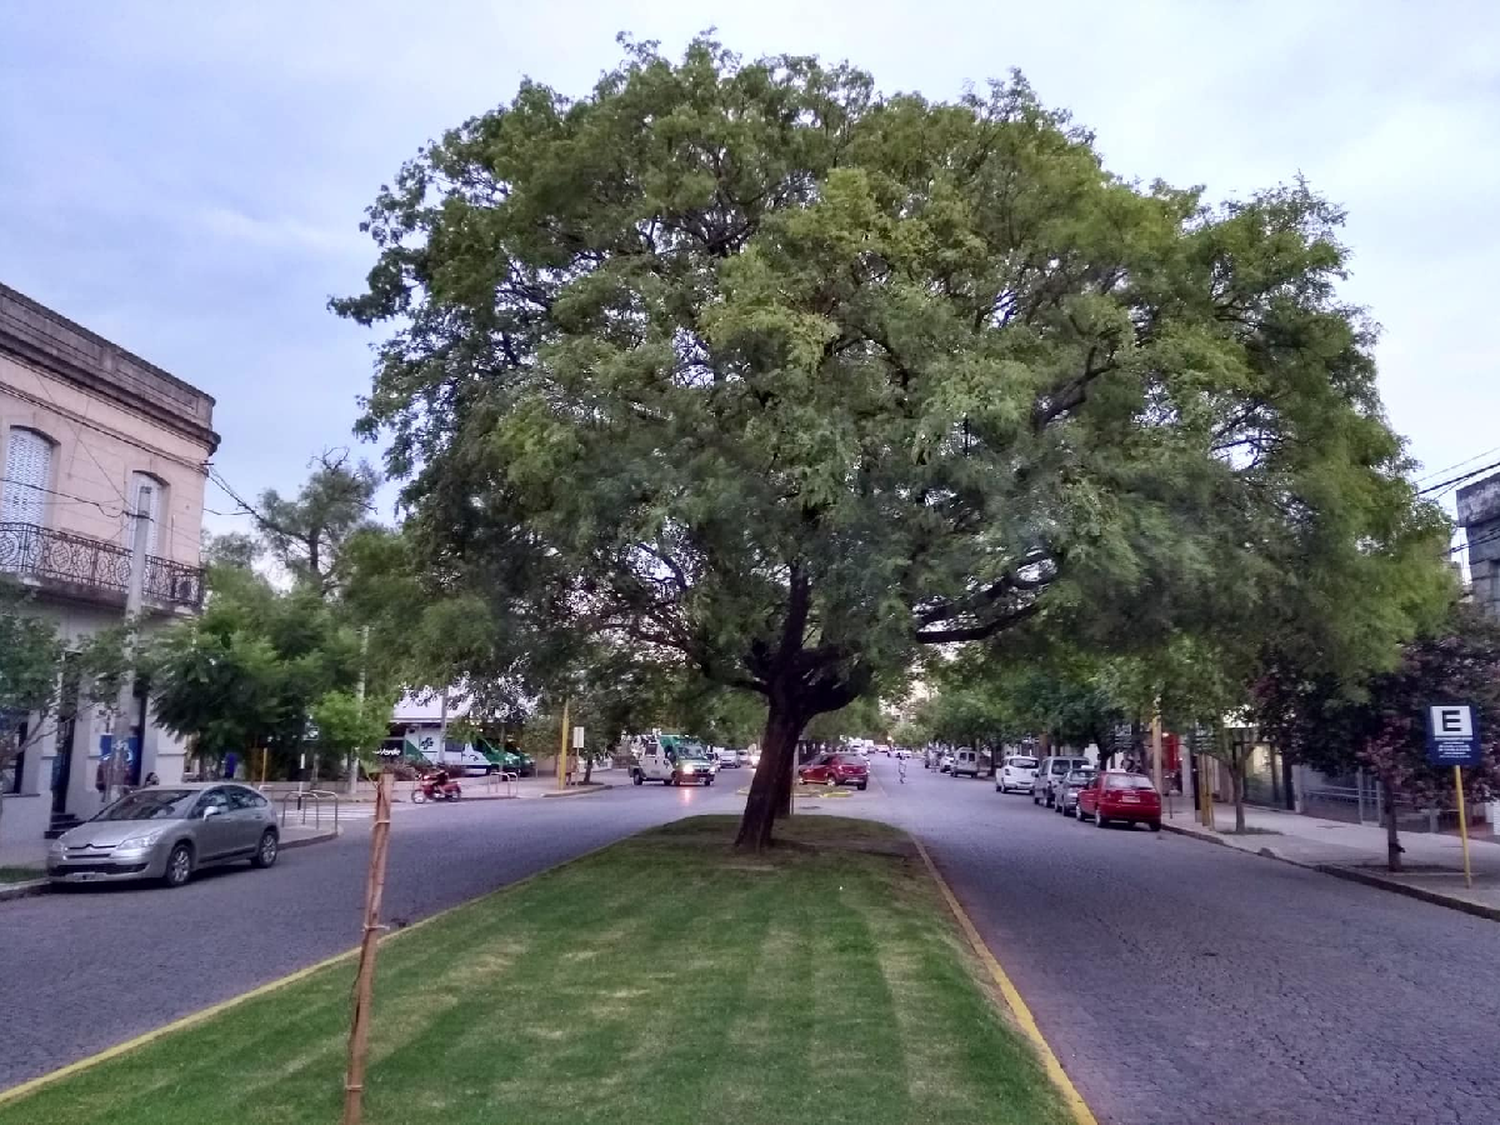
x: 435, y: 787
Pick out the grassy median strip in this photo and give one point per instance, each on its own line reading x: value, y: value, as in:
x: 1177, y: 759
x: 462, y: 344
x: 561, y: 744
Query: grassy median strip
x: 664, y: 980
x: 20, y: 874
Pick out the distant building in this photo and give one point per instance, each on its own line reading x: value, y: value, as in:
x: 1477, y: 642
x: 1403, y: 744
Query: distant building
x: 1479, y: 515
x: 89, y: 431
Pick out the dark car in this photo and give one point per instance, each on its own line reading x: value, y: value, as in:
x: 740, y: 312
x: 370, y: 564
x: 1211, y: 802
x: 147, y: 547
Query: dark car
x: 836, y: 769
x: 1115, y: 795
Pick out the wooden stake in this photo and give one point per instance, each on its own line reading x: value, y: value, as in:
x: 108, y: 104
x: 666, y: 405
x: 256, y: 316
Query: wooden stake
x: 359, y: 1031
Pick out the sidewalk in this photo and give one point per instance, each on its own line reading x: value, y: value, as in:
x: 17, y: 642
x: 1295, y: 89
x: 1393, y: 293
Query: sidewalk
x: 1434, y: 863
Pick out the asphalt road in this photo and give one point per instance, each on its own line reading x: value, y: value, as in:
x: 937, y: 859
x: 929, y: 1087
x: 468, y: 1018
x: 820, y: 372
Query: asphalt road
x: 1182, y: 982
x: 83, y: 970
x: 1177, y: 981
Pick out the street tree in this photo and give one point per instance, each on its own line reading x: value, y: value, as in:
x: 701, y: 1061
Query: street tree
x: 306, y: 533
x: 1321, y: 721
x: 31, y: 655
x: 744, y: 362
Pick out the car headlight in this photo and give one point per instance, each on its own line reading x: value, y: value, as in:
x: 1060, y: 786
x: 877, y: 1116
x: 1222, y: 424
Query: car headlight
x: 139, y: 843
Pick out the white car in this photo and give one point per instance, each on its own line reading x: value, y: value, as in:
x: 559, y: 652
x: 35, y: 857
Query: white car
x: 1016, y: 774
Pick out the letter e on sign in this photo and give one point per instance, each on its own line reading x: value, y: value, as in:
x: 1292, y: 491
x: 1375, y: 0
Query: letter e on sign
x: 1453, y: 722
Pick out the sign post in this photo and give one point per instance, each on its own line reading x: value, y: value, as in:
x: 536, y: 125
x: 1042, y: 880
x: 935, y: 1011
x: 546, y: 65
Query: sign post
x: 1453, y: 740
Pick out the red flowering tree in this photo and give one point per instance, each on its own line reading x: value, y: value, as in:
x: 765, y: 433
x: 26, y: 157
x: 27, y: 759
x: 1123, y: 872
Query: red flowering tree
x: 1381, y: 724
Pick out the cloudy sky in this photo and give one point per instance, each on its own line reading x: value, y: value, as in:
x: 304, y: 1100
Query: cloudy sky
x: 187, y: 178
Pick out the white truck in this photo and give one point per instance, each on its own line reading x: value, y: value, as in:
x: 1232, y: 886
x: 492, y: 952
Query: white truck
x: 672, y: 759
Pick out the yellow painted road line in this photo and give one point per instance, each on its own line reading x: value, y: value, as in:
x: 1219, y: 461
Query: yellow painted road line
x: 15, y: 1093
x: 1079, y: 1109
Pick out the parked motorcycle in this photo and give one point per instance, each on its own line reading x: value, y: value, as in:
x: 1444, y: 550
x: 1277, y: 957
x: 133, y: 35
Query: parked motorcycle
x: 435, y: 787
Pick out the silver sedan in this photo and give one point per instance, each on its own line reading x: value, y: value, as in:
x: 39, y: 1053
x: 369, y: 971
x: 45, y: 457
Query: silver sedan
x: 1067, y: 791
x: 167, y: 833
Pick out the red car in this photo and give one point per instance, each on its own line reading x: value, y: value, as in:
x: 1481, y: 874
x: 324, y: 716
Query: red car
x: 836, y: 769
x: 1117, y: 795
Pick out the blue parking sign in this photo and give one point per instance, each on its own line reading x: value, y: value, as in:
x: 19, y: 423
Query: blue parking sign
x: 1453, y: 735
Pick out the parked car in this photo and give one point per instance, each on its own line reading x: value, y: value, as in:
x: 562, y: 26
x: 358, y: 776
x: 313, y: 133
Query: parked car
x: 728, y: 760
x: 836, y: 769
x: 964, y: 762
x: 945, y: 762
x: 1016, y: 773
x: 1116, y: 795
x: 167, y: 833
x: 1069, y: 787
x: 1049, y: 772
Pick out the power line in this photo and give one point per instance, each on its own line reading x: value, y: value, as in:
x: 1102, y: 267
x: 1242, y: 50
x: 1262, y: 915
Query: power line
x: 1443, y: 486
x: 78, y: 433
x: 65, y: 496
x: 1457, y: 465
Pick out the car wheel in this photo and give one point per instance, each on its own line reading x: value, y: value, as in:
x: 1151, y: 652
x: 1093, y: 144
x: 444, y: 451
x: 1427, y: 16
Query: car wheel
x: 863, y: 785
x: 638, y: 777
x: 1078, y: 812
x: 179, y: 866
x: 708, y: 781
x: 1156, y: 826
x: 1099, y: 821
x: 265, y: 854
x: 999, y: 788
x: 1035, y: 800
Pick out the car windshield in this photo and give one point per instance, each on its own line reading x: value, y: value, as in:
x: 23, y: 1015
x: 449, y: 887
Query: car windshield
x: 846, y: 760
x: 151, y: 804
x: 1080, y: 777
x: 1023, y: 763
x: 1128, y: 781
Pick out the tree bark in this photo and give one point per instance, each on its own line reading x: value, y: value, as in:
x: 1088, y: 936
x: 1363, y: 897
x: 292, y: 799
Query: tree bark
x: 1237, y: 777
x: 771, y: 788
x: 1392, y: 837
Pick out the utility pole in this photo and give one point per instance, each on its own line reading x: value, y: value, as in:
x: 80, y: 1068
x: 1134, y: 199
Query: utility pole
x: 119, y: 744
x: 443, y: 730
x: 359, y: 692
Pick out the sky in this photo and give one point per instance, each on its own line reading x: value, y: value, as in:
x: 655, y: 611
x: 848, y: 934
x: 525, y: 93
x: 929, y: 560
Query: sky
x: 187, y: 179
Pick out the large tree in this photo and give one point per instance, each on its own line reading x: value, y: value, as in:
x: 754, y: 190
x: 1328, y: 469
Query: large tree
x: 745, y: 362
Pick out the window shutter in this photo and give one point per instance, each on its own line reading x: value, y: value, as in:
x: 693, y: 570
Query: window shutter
x: 28, y: 470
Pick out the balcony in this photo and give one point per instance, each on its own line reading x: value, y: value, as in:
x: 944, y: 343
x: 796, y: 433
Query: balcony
x: 93, y: 569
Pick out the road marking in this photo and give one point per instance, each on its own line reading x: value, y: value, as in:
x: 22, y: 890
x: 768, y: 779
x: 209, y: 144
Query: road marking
x: 30, y: 1086
x: 1077, y: 1107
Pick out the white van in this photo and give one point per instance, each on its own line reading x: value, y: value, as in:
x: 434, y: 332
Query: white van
x: 1016, y: 773
x: 966, y: 762
x: 467, y: 762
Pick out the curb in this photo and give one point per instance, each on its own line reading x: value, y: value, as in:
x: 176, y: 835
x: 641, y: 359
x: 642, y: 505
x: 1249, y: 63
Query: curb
x: 22, y: 890
x: 308, y: 841
x: 1369, y: 879
x: 579, y: 791
x: 1077, y: 1108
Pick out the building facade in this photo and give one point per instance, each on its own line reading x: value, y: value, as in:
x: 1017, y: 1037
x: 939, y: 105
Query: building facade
x: 90, y: 433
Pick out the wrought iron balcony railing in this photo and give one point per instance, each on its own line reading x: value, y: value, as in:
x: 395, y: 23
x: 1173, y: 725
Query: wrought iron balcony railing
x: 86, y: 565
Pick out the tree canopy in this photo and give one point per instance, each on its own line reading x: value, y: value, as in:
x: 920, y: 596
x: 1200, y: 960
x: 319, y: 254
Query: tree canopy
x: 742, y: 363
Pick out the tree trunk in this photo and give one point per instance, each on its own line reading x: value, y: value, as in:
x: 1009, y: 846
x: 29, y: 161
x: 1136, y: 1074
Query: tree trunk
x: 771, y: 788
x: 1392, y: 837
x: 588, y: 769
x: 1289, y: 798
x: 1237, y: 778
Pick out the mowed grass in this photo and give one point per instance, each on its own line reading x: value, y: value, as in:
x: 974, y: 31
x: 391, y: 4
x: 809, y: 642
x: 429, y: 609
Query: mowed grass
x: 666, y: 979
x: 20, y: 874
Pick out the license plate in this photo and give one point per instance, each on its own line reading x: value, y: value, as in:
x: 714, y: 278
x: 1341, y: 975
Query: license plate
x: 1130, y: 799
x: 85, y: 876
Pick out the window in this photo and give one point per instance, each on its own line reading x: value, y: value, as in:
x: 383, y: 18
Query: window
x: 245, y: 798
x: 148, y: 495
x: 1129, y: 781
x: 28, y: 476
x: 1022, y: 763
x: 214, y: 798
